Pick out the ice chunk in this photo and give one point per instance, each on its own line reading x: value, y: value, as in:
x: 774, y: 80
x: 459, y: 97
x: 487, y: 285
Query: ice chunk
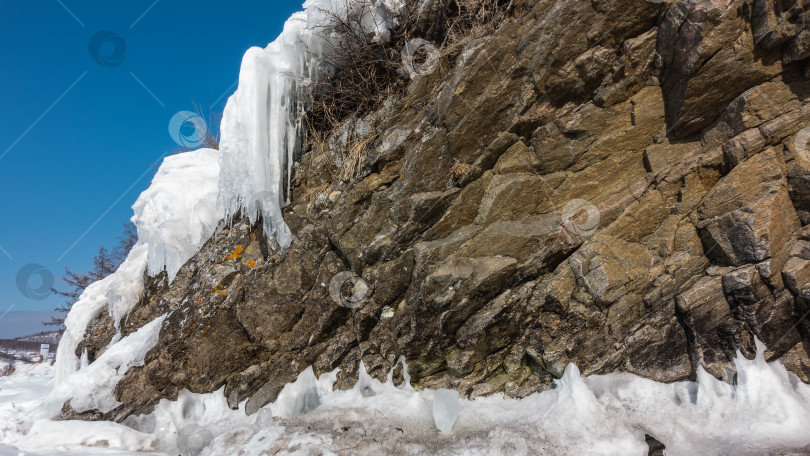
x: 179, y: 210
x: 261, y: 125
x: 298, y: 398
x: 365, y: 384
x: 264, y: 418
x: 446, y: 408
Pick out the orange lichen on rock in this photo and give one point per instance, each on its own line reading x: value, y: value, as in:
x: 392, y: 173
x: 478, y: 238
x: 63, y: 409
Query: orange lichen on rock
x: 235, y: 253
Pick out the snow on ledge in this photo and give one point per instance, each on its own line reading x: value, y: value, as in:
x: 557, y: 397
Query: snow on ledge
x: 179, y: 210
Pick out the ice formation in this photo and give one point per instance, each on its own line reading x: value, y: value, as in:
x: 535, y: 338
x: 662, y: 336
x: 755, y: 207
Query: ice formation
x: 116, y: 293
x: 446, y: 408
x: 299, y: 397
x: 179, y: 210
x: 174, y: 217
x: 97, y: 380
x: 766, y: 411
x: 261, y: 124
x: 193, y: 191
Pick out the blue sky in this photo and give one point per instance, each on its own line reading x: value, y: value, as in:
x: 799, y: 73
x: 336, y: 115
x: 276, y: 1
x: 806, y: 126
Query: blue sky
x: 78, y: 138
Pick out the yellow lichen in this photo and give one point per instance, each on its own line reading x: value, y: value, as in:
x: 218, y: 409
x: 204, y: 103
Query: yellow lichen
x: 235, y: 253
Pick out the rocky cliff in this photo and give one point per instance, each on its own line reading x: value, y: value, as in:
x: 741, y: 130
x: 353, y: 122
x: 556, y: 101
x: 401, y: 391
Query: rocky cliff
x: 619, y: 184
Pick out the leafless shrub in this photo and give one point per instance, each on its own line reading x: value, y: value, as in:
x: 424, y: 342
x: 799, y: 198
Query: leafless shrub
x: 359, y: 73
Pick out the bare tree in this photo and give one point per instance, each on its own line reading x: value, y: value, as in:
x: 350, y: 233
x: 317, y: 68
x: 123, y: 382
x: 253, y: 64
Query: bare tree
x: 105, y: 262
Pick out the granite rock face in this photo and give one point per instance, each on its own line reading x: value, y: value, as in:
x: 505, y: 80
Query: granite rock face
x: 620, y: 184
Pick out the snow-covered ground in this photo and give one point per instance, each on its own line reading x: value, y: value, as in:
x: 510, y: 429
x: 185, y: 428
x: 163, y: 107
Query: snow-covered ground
x: 766, y: 412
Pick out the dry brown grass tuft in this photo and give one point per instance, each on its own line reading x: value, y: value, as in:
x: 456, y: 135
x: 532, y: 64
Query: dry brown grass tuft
x: 353, y: 157
x: 459, y: 170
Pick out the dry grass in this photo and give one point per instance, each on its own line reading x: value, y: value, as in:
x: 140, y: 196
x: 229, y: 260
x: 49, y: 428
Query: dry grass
x: 311, y: 195
x: 472, y: 19
x: 353, y: 157
x: 459, y: 170
x: 212, y: 122
x: 210, y: 139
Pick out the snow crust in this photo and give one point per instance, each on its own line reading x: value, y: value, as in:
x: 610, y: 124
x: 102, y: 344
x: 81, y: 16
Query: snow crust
x: 93, y: 386
x: 766, y: 412
x: 179, y: 210
x: 261, y: 125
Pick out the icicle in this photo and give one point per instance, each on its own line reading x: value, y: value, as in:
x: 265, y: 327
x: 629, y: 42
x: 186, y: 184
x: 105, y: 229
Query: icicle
x: 84, y: 360
x: 261, y: 126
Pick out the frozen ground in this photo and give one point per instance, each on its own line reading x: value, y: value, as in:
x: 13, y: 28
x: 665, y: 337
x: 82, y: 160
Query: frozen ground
x: 767, y: 412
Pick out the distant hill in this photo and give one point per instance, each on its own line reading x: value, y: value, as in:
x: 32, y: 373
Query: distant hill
x: 27, y: 348
x: 45, y: 337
